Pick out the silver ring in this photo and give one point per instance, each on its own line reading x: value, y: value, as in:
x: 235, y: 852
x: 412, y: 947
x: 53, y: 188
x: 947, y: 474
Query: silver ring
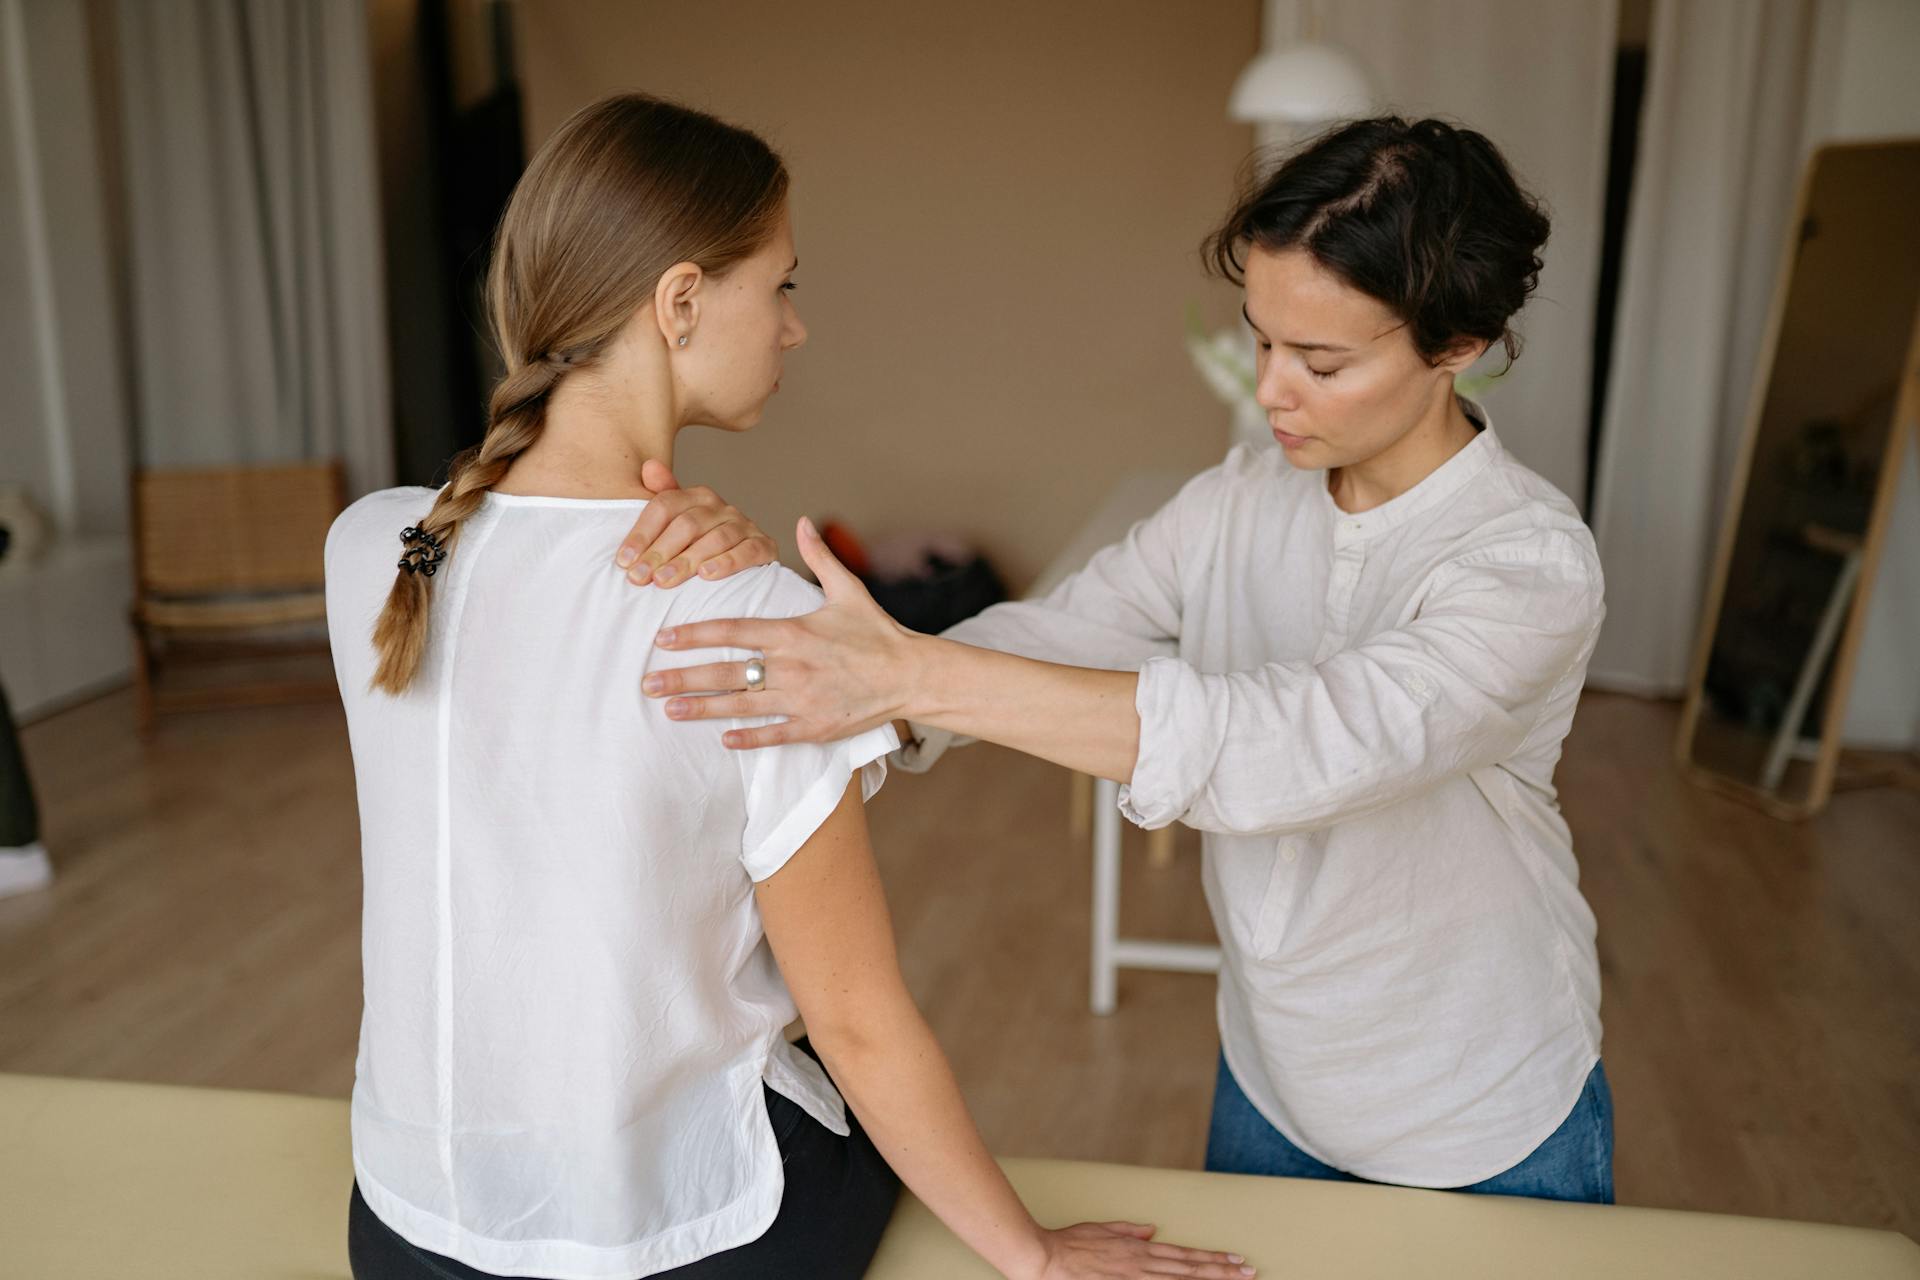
x: 756, y: 675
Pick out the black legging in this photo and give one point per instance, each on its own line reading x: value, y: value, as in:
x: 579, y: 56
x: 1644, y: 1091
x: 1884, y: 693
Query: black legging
x: 838, y: 1197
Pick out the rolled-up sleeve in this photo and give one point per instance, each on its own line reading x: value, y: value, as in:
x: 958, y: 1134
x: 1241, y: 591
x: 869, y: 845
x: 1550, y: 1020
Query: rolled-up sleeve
x: 1292, y: 746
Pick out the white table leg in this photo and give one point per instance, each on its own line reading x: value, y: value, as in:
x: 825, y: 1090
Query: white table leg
x: 1111, y: 952
x: 1106, y: 891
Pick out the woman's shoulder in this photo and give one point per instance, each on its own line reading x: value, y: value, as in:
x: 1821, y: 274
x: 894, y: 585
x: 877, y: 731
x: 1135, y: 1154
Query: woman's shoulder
x: 1526, y: 507
x: 1525, y: 532
x: 397, y: 507
x: 410, y: 496
x: 768, y: 591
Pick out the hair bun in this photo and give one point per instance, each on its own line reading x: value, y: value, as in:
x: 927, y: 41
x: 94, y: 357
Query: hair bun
x: 1425, y: 216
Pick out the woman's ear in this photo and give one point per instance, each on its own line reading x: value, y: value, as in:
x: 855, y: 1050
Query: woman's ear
x: 676, y: 303
x: 1456, y: 359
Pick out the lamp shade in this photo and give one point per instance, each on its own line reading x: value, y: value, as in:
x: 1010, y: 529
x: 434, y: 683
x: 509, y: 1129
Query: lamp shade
x: 1305, y: 83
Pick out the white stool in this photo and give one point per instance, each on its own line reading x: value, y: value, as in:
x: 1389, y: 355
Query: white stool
x: 1111, y: 952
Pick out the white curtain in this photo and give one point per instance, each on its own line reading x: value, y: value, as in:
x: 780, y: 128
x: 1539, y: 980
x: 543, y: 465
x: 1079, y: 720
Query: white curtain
x: 252, y: 192
x: 1535, y: 76
x: 1721, y: 144
x: 63, y: 432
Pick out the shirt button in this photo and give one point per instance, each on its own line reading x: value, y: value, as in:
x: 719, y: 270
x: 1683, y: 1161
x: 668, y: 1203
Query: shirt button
x: 1289, y: 853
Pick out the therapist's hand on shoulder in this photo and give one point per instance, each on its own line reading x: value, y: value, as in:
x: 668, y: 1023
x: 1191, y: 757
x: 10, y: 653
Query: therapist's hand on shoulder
x: 684, y: 533
x: 843, y: 669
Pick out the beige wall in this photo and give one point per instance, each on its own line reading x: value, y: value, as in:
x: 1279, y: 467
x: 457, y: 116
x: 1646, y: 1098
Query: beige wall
x: 997, y: 206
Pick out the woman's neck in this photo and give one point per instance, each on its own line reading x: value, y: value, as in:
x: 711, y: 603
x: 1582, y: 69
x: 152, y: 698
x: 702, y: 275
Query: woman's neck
x: 592, y: 446
x: 1444, y: 430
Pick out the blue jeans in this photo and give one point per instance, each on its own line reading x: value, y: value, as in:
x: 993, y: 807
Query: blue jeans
x: 1574, y: 1163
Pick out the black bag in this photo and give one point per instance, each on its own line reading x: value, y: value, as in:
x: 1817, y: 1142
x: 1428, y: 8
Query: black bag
x: 942, y: 594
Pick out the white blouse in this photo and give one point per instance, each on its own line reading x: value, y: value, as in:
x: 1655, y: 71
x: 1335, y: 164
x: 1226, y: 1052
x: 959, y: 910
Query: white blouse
x: 1363, y: 713
x: 570, y: 1005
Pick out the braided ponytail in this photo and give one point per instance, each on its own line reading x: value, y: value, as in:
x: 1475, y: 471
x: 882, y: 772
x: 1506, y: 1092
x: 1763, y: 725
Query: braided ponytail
x: 517, y: 412
x: 624, y: 190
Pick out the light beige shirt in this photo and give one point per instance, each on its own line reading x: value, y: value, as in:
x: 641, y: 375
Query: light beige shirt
x: 1362, y: 713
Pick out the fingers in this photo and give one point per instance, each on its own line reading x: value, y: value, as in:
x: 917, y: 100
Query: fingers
x: 657, y: 476
x: 725, y: 633
x: 722, y: 706
x: 743, y: 706
x: 835, y: 578
x: 715, y: 677
x: 652, y: 520
x: 642, y: 551
x: 1200, y: 1270
x: 1137, y: 1251
x: 770, y: 735
x: 752, y: 553
x: 709, y: 553
x: 1199, y: 1262
x: 666, y: 554
x: 684, y: 530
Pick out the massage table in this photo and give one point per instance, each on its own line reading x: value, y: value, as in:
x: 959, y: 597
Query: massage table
x: 104, y: 1180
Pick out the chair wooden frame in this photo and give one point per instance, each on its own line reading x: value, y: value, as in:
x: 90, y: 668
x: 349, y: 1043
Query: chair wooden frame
x: 223, y: 559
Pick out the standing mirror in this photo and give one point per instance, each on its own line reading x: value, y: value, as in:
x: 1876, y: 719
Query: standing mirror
x: 1837, y: 395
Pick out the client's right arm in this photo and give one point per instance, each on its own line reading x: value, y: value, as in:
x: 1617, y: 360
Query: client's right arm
x: 826, y: 917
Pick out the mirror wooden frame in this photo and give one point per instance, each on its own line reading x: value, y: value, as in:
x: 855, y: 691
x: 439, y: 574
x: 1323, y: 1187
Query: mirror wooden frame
x: 1906, y: 422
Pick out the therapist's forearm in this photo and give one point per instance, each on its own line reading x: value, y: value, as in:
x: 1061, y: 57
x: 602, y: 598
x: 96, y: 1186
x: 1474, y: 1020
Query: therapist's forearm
x: 1074, y: 716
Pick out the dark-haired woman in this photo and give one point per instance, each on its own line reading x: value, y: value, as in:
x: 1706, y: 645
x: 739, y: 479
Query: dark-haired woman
x: 1350, y: 661
x: 585, y: 926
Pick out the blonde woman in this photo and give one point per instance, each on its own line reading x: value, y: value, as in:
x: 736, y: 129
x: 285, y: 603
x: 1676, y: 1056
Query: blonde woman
x: 585, y: 926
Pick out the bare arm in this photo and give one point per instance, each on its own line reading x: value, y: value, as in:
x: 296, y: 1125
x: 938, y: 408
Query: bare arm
x: 1284, y: 746
x: 826, y: 917
x: 1079, y: 717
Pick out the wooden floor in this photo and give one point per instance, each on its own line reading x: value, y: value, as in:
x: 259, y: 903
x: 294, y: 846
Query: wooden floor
x: 1762, y: 981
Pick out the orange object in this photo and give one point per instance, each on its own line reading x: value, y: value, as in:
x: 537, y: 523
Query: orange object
x: 846, y: 546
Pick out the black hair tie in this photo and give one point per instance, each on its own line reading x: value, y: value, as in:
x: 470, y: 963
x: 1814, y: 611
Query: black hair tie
x: 423, y: 553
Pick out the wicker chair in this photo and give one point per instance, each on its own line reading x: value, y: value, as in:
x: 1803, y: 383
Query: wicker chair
x: 228, y: 565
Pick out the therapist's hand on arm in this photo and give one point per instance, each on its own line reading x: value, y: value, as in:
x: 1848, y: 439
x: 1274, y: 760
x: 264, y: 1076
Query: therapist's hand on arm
x: 1123, y: 608
x: 1286, y: 746
x: 848, y: 667
x: 827, y: 922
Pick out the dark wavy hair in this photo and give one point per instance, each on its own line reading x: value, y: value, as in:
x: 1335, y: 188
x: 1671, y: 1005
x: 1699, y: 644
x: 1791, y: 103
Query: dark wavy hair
x: 1423, y: 215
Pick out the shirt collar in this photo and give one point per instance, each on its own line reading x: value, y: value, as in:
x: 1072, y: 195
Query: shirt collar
x: 1441, y: 484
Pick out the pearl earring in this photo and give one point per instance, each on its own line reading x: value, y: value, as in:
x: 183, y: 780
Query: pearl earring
x: 683, y: 339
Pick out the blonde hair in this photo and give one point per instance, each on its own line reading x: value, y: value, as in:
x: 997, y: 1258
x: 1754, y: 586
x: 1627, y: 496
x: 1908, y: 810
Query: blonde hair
x: 625, y: 189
